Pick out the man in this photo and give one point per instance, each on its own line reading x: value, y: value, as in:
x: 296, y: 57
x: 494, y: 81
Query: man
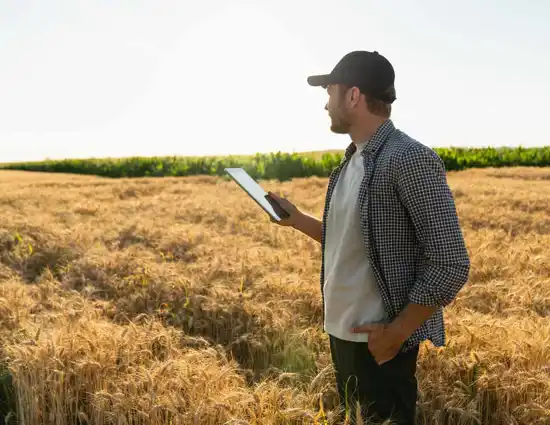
x: 393, y: 254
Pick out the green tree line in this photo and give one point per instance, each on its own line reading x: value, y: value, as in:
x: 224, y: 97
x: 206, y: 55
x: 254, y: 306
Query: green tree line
x: 281, y: 166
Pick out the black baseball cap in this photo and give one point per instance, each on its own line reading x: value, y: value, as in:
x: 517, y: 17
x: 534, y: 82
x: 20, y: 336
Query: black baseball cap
x: 371, y: 72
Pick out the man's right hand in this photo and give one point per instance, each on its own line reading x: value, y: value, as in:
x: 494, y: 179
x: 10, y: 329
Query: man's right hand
x: 303, y: 222
x: 277, y: 203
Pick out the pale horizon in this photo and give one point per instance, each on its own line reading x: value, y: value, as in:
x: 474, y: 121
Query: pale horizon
x: 160, y: 78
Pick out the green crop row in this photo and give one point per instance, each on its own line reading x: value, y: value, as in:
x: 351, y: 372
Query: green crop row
x: 282, y: 166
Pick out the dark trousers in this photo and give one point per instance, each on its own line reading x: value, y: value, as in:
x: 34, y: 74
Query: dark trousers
x: 387, y: 391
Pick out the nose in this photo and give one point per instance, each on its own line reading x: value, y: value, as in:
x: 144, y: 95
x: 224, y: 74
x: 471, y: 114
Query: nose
x: 326, y: 106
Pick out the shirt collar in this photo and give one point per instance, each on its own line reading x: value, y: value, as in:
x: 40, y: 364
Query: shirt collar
x: 375, y: 142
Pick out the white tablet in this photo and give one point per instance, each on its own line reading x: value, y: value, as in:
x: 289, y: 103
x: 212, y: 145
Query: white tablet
x: 254, y: 190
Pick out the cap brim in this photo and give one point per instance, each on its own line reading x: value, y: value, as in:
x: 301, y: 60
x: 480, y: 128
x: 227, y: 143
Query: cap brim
x: 320, y: 80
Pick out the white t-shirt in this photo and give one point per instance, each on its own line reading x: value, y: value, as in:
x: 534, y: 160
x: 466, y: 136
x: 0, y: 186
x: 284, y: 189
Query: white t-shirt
x: 351, y: 294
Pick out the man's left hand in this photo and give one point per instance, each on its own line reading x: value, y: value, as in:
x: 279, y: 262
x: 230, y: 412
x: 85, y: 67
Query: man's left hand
x: 384, y: 341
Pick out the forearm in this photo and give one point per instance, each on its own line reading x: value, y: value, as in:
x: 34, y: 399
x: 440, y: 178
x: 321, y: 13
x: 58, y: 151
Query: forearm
x: 309, y: 226
x: 410, y: 319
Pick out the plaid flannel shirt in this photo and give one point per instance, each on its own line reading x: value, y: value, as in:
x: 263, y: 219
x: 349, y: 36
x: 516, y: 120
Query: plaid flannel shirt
x: 409, y: 226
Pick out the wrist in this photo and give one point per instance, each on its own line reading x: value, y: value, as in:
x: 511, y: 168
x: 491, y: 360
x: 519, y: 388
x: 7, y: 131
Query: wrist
x: 410, y: 319
x: 298, y: 220
x: 399, y: 330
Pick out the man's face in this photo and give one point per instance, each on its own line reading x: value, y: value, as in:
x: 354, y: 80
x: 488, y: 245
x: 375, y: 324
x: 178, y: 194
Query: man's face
x: 338, y: 110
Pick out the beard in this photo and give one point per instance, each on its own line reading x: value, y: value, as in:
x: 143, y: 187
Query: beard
x: 339, y: 125
x: 340, y: 119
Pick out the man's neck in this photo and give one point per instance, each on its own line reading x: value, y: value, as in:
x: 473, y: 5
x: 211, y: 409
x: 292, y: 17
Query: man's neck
x: 364, y: 131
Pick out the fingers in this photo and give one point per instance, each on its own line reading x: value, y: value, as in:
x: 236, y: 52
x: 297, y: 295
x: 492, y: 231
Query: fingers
x: 275, y: 196
x: 271, y: 200
x: 281, y: 222
x: 368, y: 328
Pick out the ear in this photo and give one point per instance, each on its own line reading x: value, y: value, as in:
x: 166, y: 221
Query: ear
x: 354, y: 96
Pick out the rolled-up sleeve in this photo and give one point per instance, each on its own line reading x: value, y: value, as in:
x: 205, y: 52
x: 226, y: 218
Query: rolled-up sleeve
x: 423, y: 189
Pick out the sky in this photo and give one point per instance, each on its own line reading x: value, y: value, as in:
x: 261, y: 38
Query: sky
x: 164, y: 77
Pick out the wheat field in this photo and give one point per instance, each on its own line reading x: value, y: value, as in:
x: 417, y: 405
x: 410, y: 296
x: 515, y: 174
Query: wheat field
x: 176, y: 301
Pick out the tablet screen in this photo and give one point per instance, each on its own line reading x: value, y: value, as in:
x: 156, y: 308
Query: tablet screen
x: 254, y: 190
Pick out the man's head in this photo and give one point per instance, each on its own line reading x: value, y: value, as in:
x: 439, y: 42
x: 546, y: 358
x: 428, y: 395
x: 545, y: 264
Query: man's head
x: 360, y: 86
